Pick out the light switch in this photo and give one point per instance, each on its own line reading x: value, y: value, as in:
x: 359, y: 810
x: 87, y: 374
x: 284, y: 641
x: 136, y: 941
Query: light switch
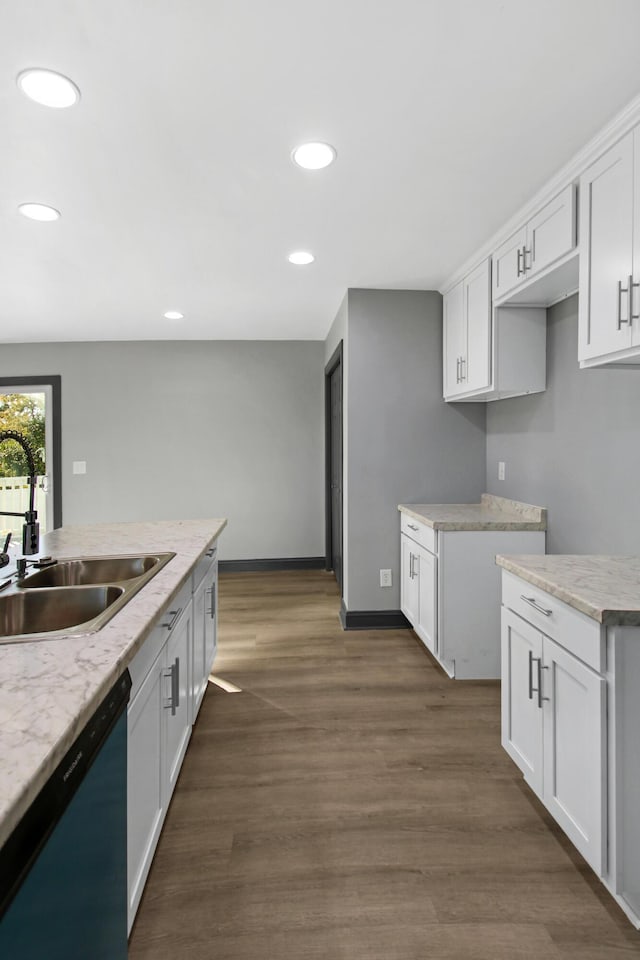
x: 79, y: 466
x: 502, y: 467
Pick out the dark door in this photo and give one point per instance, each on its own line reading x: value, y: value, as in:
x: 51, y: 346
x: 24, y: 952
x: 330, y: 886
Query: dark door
x: 334, y: 464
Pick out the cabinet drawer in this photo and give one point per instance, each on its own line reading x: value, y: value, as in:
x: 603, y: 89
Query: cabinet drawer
x: 422, y: 533
x: 146, y: 655
x: 573, y: 630
x: 203, y: 565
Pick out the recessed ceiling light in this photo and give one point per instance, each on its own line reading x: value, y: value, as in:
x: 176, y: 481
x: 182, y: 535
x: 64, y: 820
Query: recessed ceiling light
x: 314, y: 156
x: 47, y: 87
x: 301, y: 258
x: 39, y: 211
x: 174, y: 315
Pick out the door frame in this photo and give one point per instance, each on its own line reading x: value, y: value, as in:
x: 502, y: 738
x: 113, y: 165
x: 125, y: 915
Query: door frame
x: 334, y: 362
x: 55, y: 383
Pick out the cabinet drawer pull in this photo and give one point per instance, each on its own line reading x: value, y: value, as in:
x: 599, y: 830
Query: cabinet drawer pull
x: 463, y: 369
x: 174, y: 614
x: 519, y: 270
x: 211, y: 552
x: 536, y: 606
x: 457, y: 369
x: 410, y: 566
x: 413, y: 527
x: 526, y: 266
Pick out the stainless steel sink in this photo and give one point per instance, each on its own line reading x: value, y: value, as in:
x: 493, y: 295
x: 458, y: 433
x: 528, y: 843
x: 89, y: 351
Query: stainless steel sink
x: 53, y: 611
x: 90, y: 570
x: 74, y: 596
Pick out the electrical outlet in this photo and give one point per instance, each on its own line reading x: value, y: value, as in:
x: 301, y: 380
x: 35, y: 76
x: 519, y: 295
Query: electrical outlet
x: 79, y: 466
x: 502, y: 467
x: 385, y: 578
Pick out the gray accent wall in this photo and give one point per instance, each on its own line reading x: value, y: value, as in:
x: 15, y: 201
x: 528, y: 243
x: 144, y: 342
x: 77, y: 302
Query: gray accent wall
x: 192, y: 429
x: 574, y: 449
x: 404, y: 443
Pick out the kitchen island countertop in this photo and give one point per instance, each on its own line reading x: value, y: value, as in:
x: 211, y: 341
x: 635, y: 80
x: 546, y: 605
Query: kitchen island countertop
x: 50, y: 688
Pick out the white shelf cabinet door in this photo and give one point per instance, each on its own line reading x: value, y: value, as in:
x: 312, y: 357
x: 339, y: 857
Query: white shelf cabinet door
x: 574, y: 704
x: 606, y: 252
x: 145, y: 793
x: 508, y: 264
x: 455, y: 342
x: 552, y: 232
x: 426, y: 627
x: 476, y: 366
x: 409, y: 583
x: 177, y: 708
x: 199, y: 672
x: 521, y: 712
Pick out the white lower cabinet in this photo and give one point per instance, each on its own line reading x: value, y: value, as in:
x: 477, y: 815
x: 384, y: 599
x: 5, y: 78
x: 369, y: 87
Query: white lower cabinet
x: 177, y: 706
x: 450, y: 592
x: 145, y: 786
x: 205, y: 601
x: 554, y: 728
x: 169, y: 675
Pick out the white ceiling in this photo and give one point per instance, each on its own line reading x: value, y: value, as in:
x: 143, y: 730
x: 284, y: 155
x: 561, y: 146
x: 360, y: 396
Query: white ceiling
x: 174, y: 177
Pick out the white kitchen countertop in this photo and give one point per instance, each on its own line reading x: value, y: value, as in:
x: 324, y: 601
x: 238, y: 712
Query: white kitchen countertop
x: 604, y: 588
x: 492, y: 513
x: 50, y: 688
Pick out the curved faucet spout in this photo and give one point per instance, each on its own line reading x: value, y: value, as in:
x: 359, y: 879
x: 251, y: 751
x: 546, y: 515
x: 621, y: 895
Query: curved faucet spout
x: 31, y: 527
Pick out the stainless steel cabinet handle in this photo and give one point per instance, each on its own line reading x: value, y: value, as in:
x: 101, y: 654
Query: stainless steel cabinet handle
x: 457, y: 369
x: 463, y: 369
x: 174, y: 614
x: 519, y: 270
x: 526, y: 266
x: 530, y: 674
x: 536, y: 606
x: 626, y: 290
x: 412, y: 527
x: 540, y: 669
x: 173, y: 674
x: 211, y: 552
x: 410, y: 566
x: 211, y: 612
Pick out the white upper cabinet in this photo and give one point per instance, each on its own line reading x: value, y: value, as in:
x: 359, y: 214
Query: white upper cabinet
x: 454, y: 340
x: 507, y: 263
x: 546, y: 238
x: 476, y: 367
x: 609, y: 309
x: 467, y: 334
x: 488, y: 352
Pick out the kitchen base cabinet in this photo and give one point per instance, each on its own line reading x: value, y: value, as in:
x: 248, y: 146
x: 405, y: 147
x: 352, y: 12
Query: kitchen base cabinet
x: 145, y: 788
x: 176, y: 706
x: 570, y: 721
x: 450, y: 592
x: 204, y: 627
x: 169, y: 678
x: 553, y: 728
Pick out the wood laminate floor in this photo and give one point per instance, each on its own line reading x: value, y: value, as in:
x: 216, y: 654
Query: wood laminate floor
x: 353, y: 802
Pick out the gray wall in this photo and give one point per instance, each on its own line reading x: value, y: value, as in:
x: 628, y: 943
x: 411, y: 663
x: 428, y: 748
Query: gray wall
x: 175, y: 430
x: 405, y: 443
x: 574, y: 449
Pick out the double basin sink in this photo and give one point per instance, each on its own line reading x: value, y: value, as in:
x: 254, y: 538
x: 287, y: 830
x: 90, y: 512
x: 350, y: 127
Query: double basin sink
x: 73, y: 596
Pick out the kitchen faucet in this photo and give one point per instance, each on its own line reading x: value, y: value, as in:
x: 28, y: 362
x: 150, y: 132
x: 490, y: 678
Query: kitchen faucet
x: 31, y: 527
